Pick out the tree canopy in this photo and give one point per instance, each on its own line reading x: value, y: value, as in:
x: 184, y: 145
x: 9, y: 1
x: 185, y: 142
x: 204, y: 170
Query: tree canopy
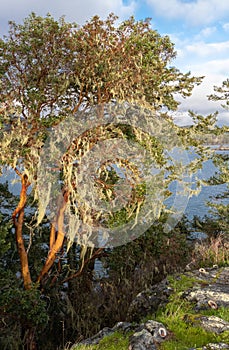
x: 67, y: 88
x: 51, y: 70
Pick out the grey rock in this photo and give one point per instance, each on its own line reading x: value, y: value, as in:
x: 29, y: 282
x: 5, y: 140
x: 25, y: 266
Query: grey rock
x: 142, y: 340
x: 214, y: 324
x: 148, y: 335
x: 212, y: 290
x: 148, y: 301
x: 120, y: 326
x: 157, y: 330
x: 124, y: 327
x: 213, y: 346
x: 219, y: 346
x: 97, y: 337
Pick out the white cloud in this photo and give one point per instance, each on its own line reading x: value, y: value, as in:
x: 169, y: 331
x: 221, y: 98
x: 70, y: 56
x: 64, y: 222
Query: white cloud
x: 205, y: 49
x: 202, y: 59
x: 216, y: 67
x: 198, y: 12
x: 75, y: 10
x: 200, y: 55
x: 206, y: 32
x: 224, y: 118
x: 226, y: 27
x: 198, y: 101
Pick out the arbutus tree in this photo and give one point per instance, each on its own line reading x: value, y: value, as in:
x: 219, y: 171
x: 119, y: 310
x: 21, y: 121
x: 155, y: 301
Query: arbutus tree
x: 32, y: 83
x: 51, y: 70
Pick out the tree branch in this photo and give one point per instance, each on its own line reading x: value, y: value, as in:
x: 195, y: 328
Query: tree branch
x: 57, y: 245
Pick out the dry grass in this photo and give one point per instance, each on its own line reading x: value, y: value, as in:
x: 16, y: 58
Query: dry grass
x: 213, y: 251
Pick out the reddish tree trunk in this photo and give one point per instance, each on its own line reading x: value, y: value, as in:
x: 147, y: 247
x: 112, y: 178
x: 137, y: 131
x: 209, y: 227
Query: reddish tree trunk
x: 22, y: 252
x: 18, y: 219
x: 56, y: 243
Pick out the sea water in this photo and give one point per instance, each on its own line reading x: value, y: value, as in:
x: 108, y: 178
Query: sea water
x: 196, y: 205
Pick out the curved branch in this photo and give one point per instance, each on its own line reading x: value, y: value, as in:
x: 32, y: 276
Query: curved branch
x: 58, y: 243
x: 97, y: 254
x: 18, y: 220
x: 23, y: 195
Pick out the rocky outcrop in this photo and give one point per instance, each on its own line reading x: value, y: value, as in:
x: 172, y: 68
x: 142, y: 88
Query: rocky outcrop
x: 210, y: 290
x: 149, y: 301
x: 213, y: 289
x: 145, y: 336
x: 120, y: 326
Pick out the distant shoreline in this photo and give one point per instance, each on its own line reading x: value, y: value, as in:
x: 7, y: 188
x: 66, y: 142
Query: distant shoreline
x: 221, y: 148
x: 218, y: 147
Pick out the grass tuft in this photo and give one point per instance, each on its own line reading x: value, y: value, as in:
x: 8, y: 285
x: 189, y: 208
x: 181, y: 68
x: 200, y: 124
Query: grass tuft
x: 183, y: 322
x: 179, y: 317
x: 115, y: 341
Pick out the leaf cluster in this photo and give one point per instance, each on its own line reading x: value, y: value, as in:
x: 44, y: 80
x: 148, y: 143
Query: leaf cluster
x: 50, y: 69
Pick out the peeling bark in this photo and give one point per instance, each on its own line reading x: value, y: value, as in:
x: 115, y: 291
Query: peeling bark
x: 52, y: 236
x: 18, y: 219
x: 22, y: 251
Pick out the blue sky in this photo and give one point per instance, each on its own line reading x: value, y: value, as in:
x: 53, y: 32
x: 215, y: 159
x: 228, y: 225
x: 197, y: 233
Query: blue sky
x: 199, y: 29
